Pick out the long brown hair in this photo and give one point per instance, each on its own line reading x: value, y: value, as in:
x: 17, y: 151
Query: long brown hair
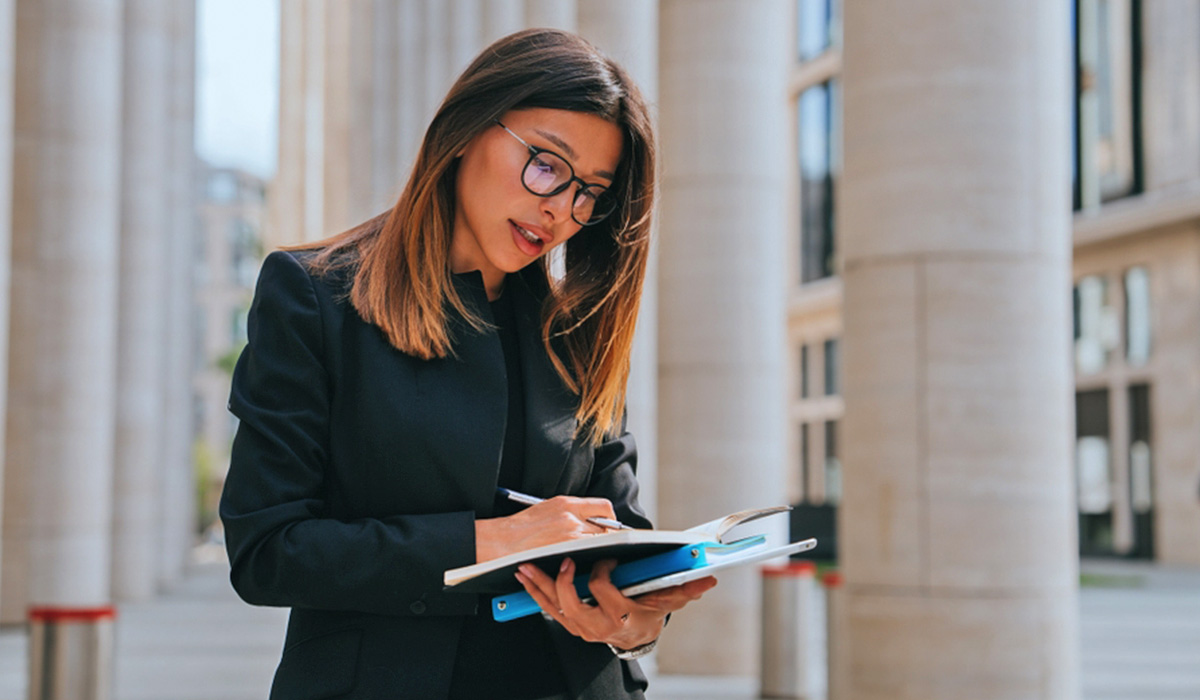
x: 403, y: 280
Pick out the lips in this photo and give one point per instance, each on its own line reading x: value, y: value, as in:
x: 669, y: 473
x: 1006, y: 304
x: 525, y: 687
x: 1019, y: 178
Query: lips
x: 530, y: 239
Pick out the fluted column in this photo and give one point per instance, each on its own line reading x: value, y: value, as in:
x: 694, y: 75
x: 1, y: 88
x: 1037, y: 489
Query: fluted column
x: 143, y: 283
x: 501, y: 18
x: 67, y: 146
x: 288, y: 206
x: 722, y: 282
x: 627, y: 30
x: 410, y: 103
x: 8, y: 18
x: 560, y: 14
x: 957, y: 526
x: 178, y: 481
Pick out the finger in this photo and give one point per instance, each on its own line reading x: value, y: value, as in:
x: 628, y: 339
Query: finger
x: 587, y: 507
x: 610, y: 600
x: 677, y: 597
x: 542, y: 583
x: 547, y: 605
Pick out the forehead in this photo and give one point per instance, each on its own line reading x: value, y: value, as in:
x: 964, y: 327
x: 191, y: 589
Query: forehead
x: 592, y: 143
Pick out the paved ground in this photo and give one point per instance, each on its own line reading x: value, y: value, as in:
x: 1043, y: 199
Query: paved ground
x: 1140, y: 630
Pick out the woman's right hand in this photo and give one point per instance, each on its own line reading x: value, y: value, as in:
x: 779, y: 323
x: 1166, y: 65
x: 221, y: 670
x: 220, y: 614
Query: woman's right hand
x: 553, y: 520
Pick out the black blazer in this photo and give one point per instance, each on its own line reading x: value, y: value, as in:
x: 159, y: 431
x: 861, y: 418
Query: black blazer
x: 357, y: 474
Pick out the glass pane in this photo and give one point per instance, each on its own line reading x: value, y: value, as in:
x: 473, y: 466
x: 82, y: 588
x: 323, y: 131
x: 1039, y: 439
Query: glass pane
x: 1094, y: 475
x: 803, y: 462
x: 1107, y: 96
x: 832, y: 370
x: 804, y: 371
x: 815, y: 138
x: 1096, y: 325
x: 833, y: 466
x: 1141, y: 477
x: 1137, y: 316
x: 813, y: 30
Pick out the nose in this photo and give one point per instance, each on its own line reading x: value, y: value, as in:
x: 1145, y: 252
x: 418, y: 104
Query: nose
x: 558, y: 206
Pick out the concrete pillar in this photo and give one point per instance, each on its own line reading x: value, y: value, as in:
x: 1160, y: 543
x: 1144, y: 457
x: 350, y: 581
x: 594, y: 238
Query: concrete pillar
x: 386, y: 70
x: 142, y: 311
x: 501, y: 18
x: 465, y: 35
x: 627, y: 30
x: 560, y: 14
x: 958, y: 520
x: 66, y: 213
x: 288, y: 205
x: 7, y: 97
x: 178, y: 480
x: 410, y: 113
x: 722, y: 283
x: 347, y: 102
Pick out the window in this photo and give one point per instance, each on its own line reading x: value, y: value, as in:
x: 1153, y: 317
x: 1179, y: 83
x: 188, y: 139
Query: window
x: 804, y: 371
x: 1096, y: 332
x: 833, y: 466
x: 817, y: 121
x: 1093, y: 472
x: 815, y: 28
x: 1107, y: 144
x: 831, y: 368
x: 1137, y: 316
x: 803, y: 462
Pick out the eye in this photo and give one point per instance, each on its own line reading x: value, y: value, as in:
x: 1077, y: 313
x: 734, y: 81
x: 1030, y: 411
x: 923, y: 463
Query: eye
x: 543, y: 163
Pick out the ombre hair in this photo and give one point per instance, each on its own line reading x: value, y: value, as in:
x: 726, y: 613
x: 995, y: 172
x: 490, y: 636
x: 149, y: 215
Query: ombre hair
x: 402, y: 278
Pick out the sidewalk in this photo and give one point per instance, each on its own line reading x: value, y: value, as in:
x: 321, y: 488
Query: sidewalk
x: 1140, y: 635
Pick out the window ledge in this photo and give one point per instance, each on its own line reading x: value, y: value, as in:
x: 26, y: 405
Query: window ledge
x: 816, y: 297
x: 1137, y: 214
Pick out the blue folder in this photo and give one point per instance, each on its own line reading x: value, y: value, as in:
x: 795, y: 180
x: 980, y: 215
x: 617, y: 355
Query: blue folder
x: 693, y: 556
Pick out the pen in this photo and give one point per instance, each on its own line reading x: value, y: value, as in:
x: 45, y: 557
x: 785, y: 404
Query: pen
x: 528, y: 500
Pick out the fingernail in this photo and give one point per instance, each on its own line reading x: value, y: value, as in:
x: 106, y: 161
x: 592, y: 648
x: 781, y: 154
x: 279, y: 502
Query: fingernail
x: 524, y: 569
x: 520, y: 577
x: 566, y: 564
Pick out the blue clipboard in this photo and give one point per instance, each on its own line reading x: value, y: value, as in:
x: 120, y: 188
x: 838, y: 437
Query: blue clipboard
x: 686, y: 558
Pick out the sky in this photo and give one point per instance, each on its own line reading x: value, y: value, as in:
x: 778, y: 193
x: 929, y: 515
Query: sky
x: 237, y: 83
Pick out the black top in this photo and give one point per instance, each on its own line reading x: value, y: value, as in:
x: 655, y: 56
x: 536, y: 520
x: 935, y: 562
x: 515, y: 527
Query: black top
x: 507, y: 660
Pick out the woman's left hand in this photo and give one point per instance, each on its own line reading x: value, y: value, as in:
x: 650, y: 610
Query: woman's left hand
x: 622, y: 622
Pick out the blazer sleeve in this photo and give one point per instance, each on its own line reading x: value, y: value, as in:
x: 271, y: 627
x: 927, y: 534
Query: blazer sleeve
x: 614, y: 476
x: 283, y: 546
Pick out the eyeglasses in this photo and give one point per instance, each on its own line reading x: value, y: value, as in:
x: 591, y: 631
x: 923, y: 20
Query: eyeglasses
x: 546, y: 174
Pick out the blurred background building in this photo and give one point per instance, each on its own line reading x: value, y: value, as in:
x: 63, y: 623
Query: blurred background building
x: 859, y: 301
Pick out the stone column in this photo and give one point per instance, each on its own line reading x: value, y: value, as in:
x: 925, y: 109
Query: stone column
x: 501, y: 18
x: 347, y: 102
x: 465, y: 35
x: 8, y: 18
x: 288, y: 204
x: 143, y: 283
x: 958, y: 521
x: 66, y: 213
x: 385, y: 136
x: 722, y: 283
x: 627, y: 30
x: 410, y: 95
x: 178, y: 485
x: 560, y: 14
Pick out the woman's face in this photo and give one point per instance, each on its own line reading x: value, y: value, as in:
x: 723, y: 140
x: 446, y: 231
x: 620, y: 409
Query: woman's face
x: 499, y: 225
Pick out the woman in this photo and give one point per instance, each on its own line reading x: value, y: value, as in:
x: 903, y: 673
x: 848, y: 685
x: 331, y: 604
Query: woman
x: 400, y: 372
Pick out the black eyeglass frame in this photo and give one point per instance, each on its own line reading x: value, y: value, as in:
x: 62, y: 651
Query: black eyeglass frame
x: 599, y: 191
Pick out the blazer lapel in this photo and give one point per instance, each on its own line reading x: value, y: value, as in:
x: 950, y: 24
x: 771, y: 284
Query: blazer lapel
x: 549, y: 404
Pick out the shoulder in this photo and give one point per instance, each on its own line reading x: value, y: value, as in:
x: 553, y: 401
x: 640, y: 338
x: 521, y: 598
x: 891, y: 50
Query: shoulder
x: 302, y: 272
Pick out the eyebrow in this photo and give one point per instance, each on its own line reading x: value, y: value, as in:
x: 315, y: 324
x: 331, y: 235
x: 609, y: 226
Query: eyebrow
x: 552, y: 138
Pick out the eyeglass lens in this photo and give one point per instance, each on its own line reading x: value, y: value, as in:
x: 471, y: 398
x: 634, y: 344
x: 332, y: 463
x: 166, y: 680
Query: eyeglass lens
x: 547, y: 174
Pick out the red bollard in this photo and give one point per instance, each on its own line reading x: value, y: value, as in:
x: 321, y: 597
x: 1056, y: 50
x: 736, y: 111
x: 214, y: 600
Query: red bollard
x: 71, y: 653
